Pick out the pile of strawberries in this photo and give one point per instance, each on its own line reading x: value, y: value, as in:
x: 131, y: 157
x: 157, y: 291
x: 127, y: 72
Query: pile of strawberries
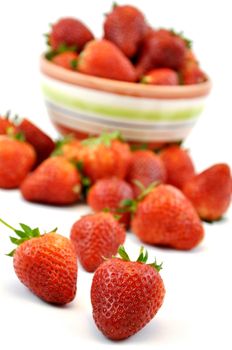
x: 158, y: 196
x: 130, y: 50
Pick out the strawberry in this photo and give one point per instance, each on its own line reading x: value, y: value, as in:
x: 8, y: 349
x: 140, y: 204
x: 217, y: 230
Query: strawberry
x: 55, y: 181
x: 67, y: 59
x: 102, y: 58
x: 16, y: 160
x: 126, y: 294
x: 161, y: 76
x: 126, y: 27
x: 104, y: 156
x: 96, y: 237
x: 67, y: 147
x: 46, y: 264
x: 69, y: 32
x: 165, y: 217
x: 178, y: 164
x: 210, y: 192
x: 145, y: 168
x: 5, y: 125
x: 41, y: 142
x: 161, y: 48
x: 109, y: 194
x: 191, y: 73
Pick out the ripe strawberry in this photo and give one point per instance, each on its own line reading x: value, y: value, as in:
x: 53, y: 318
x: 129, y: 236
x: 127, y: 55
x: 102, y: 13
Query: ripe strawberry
x: 16, y: 160
x: 166, y: 217
x: 126, y: 27
x: 104, y: 156
x: 102, y: 58
x: 67, y: 59
x: 145, y: 167
x: 126, y: 295
x: 96, y: 237
x: 67, y: 147
x: 5, y: 125
x: 161, y: 76
x: 109, y: 194
x: 41, y: 142
x: 161, y: 48
x: 46, y: 264
x: 210, y: 192
x: 55, y: 181
x: 192, y: 74
x: 178, y: 164
x: 69, y: 32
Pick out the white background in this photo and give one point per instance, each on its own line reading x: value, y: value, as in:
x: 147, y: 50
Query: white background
x: 197, y: 308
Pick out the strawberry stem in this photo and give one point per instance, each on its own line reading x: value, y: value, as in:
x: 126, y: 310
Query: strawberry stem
x: 22, y: 235
x: 7, y: 225
x: 147, y: 190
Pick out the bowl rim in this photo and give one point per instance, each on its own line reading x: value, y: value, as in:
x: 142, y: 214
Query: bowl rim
x: 123, y: 88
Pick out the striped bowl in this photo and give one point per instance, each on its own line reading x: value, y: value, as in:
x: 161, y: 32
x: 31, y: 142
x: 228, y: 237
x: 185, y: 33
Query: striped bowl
x: 86, y: 105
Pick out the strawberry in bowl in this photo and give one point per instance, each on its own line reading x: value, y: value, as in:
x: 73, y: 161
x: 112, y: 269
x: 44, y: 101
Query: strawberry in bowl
x: 144, y: 82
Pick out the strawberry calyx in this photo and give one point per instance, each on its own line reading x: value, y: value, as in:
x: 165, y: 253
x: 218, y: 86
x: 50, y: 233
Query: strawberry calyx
x: 85, y: 180
x: 60, y: 143
x: 74, y: 63
x: 26, y: 233
x: 130, y: 205
x: 188, y: 42
x: 143, y: 257
x: 50, y: 54
x: 104, y: 139
x: 116, y: 214
x: 142, y: 146
x: 145, y: 79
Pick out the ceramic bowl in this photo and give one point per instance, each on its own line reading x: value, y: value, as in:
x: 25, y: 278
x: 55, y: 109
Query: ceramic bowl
x: 86, y: 105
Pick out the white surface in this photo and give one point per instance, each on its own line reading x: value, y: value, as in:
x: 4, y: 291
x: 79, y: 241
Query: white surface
x: 197, y: 308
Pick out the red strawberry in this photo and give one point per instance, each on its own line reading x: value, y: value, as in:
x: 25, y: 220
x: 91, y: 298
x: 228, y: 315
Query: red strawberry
x: 46, y: 264
x: 192, y: 74
x: 16, y: 160
x: 161, y: 76
x: 161, y: 48
x: 55, y: 181
x: 5, y: 125
x: 96, y: 237
x: 126, y: 27
x: 178, y: 164
x: 210, y: 192
x: 145, y: 167
x: 166, y: 217
x: 102, y: 58
x: 41, y: 142
x: 109, y: 194
x: 126, y: 295
x: 68, y: 147
x: 67, y: 59
x: 104, y: 156
x: 69, y: 32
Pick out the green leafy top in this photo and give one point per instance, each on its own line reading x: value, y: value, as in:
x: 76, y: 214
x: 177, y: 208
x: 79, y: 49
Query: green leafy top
x: 62, y: 48
x: 22, y: 235
x: 188, y: 42
x: 130, y: 205
x: 104, y: 139
x: 143, y: 256
x: 60, y: 143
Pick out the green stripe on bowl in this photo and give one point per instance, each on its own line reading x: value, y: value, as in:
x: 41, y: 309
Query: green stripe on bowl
x: 119, y: 112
